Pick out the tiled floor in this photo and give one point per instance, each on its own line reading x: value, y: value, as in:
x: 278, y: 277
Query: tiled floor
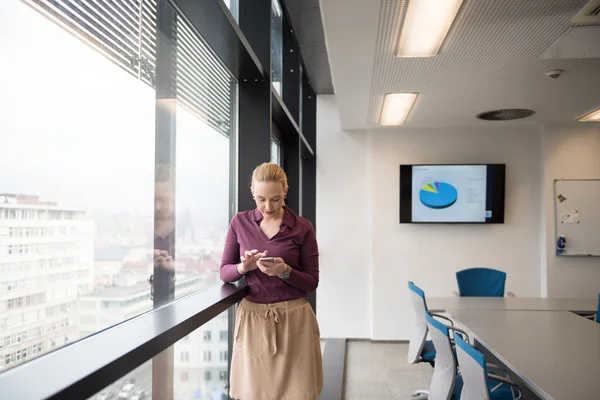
x: 380, y: 371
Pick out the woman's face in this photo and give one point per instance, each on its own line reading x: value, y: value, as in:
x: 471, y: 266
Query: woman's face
x: 269, y: 198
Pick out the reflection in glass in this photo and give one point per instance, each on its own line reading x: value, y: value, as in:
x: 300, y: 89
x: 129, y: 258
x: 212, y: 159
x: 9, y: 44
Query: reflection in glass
x: 80, y: 210
x: 276, y: 45
x: 202, y: 200
x: 76, y: 208
x: 199, y: 369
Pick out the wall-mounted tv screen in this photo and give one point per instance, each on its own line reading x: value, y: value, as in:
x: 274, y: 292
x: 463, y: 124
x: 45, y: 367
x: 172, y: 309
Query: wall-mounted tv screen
x: 452, y: 193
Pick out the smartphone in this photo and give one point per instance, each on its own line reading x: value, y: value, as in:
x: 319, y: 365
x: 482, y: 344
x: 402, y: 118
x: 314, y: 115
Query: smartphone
x: 267, y: 259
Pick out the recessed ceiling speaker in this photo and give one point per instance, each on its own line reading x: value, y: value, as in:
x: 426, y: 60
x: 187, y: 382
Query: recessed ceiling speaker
x: 508, y: 114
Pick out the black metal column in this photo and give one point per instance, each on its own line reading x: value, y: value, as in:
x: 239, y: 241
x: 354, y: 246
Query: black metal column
x: 165, y: 139
x: 309, y: 162
x: 254, y: 139
x: 255, y: 23
x: 292, y: 166
x: 163, y: 280
x: 254, y: 106
x: 291, y: 71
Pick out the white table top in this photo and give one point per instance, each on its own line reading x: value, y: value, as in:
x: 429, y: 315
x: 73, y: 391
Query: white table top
x: 556, y: 353
x: 437, y: 304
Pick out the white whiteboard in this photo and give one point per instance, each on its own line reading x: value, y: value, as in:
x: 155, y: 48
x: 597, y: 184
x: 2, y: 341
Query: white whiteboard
x: 577, y: 215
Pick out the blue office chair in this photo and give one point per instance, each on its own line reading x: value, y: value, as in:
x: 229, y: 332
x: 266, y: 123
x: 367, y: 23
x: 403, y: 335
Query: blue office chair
x: 481, y: 282
x: 596, y: 316
x: 598, y: 311
x: 477, y: 383
x: 443, y: 382
x: 419, y: 348
x: 447, y: 382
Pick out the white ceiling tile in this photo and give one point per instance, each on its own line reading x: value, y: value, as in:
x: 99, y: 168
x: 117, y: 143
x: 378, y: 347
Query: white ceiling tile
x: 490, y: 60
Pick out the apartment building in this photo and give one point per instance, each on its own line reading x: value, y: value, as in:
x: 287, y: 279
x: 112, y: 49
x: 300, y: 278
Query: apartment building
x: 46, y: 261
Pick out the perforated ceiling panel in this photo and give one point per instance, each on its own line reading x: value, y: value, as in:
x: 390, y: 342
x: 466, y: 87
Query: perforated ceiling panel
x: 490, y: 60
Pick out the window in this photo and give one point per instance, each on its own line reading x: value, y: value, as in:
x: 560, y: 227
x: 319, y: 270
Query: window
x: 185, y: 356
x: 223, y: 335
x: 233, y: 7
x: 10, y: 213
x: 275, y: 152
x: 87, y: 319
x: 223, y: 356
x: 276, y: 45
x: 223, y: 376
x: 101, y: 57
x: 193, y: 380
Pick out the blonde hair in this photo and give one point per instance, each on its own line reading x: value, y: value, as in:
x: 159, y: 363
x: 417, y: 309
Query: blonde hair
x: 268, y: 172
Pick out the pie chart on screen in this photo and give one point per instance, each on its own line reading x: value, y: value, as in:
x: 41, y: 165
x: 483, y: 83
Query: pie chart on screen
x: 438, y: 195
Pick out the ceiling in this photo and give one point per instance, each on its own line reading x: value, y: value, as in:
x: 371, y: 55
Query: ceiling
x: 489, y: 60
x: 305, y: 17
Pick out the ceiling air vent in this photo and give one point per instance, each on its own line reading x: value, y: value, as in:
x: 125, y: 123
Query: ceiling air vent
x: 505, y: 115
x: 589, y: 14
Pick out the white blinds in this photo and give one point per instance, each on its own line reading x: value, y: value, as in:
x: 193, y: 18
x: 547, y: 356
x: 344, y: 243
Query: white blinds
x: 125, y: 32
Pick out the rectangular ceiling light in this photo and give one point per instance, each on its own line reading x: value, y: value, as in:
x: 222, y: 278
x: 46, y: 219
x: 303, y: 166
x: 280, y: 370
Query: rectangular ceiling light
x: 396, y: 107
x: 426, y: 25
x: 594, y: 116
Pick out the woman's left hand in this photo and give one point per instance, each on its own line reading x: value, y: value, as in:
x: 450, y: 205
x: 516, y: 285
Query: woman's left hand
x: 275, y: 268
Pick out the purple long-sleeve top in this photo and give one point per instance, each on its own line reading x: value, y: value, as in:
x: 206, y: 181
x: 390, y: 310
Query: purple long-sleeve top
x: 295, y: 243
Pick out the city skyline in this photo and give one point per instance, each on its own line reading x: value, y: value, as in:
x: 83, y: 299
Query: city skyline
x: 79, y: 135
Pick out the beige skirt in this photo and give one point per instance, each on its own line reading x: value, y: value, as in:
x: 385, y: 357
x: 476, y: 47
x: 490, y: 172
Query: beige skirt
x: 277, y: 352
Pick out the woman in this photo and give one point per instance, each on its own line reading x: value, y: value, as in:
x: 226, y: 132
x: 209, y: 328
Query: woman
x: 277, y: 351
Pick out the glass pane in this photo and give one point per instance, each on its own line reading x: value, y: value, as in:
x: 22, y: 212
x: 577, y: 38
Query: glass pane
x: 86, y: 204
x: 275, y: 152
x: 233, y: 7
x: 276, y: 45
x: 202, y: 201
x: 196, y: 367
x: 77, y: 205
x: 136, y: 385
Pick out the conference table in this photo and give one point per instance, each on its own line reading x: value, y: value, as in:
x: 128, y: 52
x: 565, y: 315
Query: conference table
x: 440, y: 304
x: 553, y: 351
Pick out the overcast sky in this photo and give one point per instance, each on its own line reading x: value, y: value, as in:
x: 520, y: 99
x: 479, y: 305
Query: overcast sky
x: 77, y: 129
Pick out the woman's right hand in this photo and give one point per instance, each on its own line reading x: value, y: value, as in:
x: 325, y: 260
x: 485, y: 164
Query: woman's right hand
x: 249, y: 260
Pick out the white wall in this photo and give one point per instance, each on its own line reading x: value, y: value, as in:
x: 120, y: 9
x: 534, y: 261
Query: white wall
x: 343, y: 231
x: 570, y: 152
x: 367, y: 256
